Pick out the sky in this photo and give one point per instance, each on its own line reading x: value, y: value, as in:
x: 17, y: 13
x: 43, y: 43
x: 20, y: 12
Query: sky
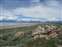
x: 42, y: 10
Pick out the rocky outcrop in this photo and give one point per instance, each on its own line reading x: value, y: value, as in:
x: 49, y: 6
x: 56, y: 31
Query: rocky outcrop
x: 41, y: 32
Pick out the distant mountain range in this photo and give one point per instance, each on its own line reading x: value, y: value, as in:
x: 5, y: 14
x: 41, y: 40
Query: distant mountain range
x: 24, y: 19
x: 32, y: 21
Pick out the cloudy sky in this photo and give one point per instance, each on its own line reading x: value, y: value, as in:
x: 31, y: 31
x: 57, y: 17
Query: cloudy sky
x: 50, y: 10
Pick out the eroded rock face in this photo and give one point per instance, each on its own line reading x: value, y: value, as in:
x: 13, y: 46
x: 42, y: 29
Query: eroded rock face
x: 41, y: 32
x: 52, y: 35
x: 38, y: 32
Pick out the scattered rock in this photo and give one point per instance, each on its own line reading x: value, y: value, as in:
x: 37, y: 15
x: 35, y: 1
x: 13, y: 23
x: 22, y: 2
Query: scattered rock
x: 59, y: 46
x: 18, y: 34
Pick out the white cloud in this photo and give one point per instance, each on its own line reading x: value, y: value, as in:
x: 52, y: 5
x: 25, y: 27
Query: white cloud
x: 24, y: 19
x: 39, y: 11
x: 35, y: 0
x: 53, y: 3
x: 51, y: 11
x: 6, y: 14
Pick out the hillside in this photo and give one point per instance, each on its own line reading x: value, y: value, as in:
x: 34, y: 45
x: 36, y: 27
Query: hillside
x: 22, y: 36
